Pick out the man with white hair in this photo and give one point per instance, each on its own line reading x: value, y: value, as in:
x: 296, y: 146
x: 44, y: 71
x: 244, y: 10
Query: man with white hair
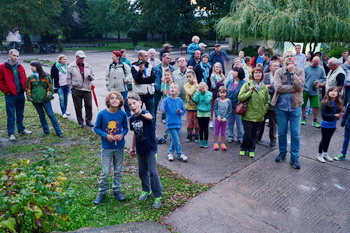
x: 288, y: 98
x: 152, y: 58
x: 335, y: 77
x: 179, y: 76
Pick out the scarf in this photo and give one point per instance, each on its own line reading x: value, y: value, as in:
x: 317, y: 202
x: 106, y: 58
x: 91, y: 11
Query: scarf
x: 62, y: 68
x: 205, y: 70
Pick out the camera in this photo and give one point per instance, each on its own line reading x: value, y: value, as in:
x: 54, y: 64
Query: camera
x: 140, y: 62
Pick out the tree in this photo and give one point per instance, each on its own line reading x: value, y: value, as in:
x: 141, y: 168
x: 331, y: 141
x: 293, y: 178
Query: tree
x: 307, y: 21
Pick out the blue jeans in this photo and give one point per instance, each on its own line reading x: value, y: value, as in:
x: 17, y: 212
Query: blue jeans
x: 126, y: 105
x: 14, y: 112
x: 116, y: 156
x: 40, y: 107
x: 239, y: 125
x: 347, y: 95
x: 148, y: 173
x: 175, y: 141
x: 294, y: 117
x: 346, y: 141
x: 63, y: 92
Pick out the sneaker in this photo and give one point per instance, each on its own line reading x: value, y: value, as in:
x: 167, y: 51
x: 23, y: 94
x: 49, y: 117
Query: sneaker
x: 280, y: 158
x: 251, y: 154
x: 157, y: 202
x: 205, y: 143
x: 240, y: 141
x: 316, y: 124
x: 60, y: 135
x: 272, y: 143
x: 188, y: 138
x: 229, y: 140
x: 163, y: 121
x: 170, y: 157
x: 216, y: 146
x: 223, y: 147
x: 144, y: 195
x: 64, y: 116
x: 242, y: 153
x: 295, y: 164
x: 99, y: 199
x: 196, y: 138
x: 119, y: 196
x: 320, y: 158
x: 211, y: 124
x: 183, y: 158
x: 201, y: 143
x: 303, y: 122
x: 26, y: 132
x: 340, y: 157
x: 327, y: 157
x: 12, y: 137
x: 161, y: 140
x: 67, y: 113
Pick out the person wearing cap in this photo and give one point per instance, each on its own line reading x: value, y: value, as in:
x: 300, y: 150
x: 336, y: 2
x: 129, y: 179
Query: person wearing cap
x: 203, y: 47
x: 194, y: 46
x: 219, y: 56
x: 79, y: 77
x: 118, y: 75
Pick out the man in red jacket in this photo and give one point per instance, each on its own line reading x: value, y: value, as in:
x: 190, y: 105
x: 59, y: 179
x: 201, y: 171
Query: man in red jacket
x: 12, y: 84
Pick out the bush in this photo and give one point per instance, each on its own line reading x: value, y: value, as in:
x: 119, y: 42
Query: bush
x: 32, y: 198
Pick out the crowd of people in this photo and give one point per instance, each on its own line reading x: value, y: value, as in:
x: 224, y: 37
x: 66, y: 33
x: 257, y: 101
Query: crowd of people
x: 236, y: 105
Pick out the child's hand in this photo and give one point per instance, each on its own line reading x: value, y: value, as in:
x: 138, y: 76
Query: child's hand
x: 178, y: 111
x: 118, y: 137
x: 147, y: 116
x: 204, y: 89
x: 110, y: 138
x: 132, y: 152
x: 219, y: 118
x: 223, y: 119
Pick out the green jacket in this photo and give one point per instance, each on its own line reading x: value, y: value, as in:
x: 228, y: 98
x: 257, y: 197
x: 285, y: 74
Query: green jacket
x: 39, y: 90
x: 258, y: 101
x: 203, y: 101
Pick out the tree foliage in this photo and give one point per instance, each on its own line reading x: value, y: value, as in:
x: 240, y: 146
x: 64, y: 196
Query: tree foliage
x: 288, y: 20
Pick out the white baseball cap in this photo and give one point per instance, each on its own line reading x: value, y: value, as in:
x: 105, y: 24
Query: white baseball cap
x: 80, y: 54
x: 202, y: 45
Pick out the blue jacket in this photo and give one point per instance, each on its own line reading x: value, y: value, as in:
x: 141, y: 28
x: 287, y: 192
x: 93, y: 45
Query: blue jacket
x: 219, y: 58
x: 346, y: 120
x: 170, y: 107
x: 233, y: 95
x: 157, y: 74
x: 193, y: 47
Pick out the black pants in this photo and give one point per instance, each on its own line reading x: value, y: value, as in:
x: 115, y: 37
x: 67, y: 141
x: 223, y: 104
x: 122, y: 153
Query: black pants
x: 271, y: 114
x: 250, y: 135
x: 78, y: 97
x: 327, y: 134
x: 203, y: 123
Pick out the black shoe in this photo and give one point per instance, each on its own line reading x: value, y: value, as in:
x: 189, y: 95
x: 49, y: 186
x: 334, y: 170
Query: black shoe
x: 60, y: 135
x: 89, y: 124
x: 295, y: 164
x: 272, y: 143
x: 280, y: 158
x: 119, y: 196
x: 46, y: 133
x: 99, y: 199
x: 188, y: 138
x: 162, y: 140
x: 81, y: 126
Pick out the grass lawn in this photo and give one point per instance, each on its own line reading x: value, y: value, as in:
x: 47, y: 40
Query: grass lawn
x: 77, y: 156
x: 118, y: 46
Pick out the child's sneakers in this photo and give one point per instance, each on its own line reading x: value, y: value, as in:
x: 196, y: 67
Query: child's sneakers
x: 216, y: 146
x: 242, y: 153
x: 188, y: 138
x: 157, y: 202
x: 144, y: 195
x: 183, y: 158
x: 327, y: 157
x: 316, y: 124
x: 196, y: 138
x: 340, y: 157
x: 320, y: 158
x: 303, y: 122
x: 205, y: 143
x: 251, y: 154
x: 201, y: 143
x: 223, y: 147
x: 170, y: 157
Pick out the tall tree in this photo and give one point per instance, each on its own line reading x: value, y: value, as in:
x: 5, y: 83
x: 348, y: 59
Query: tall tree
x: 307, y: 21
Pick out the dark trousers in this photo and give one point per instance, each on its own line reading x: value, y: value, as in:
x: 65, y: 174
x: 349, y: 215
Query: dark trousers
x: 250, y: 135
x: 148, y: 173
x: 78, y: 97
x: 157, y: 97
x: 327, y: 134
x: 14, y: 112
x: 271, y: 115
x: 148, y: 100
x: 203, y: 123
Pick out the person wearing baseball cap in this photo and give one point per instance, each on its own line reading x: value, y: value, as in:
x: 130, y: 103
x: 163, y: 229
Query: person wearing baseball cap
x: 79, y: 78
x: 219, y: 56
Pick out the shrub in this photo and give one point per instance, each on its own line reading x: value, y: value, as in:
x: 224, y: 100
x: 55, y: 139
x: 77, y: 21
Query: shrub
x: 32, y: 198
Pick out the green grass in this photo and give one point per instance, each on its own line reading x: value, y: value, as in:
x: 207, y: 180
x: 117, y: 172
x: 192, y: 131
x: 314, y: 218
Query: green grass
x: 118, y: 46
x: 77, y: 156
x: 43, y: 62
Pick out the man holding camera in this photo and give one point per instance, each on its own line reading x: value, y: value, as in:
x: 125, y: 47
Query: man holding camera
x: 79, y: 77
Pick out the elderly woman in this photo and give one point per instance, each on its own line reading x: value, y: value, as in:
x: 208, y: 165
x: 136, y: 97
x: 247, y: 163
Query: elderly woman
x: 118, y: 75
x: 257, y: 95
x: 152, y: 57
x: 59, y: 76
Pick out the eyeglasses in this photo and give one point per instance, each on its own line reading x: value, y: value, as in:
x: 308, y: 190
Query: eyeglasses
x: 289, y: 56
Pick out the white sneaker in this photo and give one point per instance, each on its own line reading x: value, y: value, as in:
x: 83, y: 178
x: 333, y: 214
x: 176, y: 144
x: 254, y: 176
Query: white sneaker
x: 64, y: 116
x: 211, y: 124
x: 26, y: 132
x: 183, y: 158
x: 320, y: 158
x: 326, y: 157
x: 67, y: 113
x: 170, y: 157
x: 12, y: 137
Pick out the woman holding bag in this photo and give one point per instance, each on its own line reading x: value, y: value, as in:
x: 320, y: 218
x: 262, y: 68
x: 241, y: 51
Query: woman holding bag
x: 257, y: 95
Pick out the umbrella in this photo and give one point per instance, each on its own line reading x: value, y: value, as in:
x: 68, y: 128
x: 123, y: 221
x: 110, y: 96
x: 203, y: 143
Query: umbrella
x: 94, y: 95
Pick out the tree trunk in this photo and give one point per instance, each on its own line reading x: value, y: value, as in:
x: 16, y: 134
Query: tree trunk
x: 119, y: 36
x: 28, y: 46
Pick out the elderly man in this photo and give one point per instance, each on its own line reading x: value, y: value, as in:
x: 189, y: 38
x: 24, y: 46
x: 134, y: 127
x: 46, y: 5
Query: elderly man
x: 79, y: 77
x: 157, y: 74
x: 13, y: 85
x: 300, y: 57
x: 288, y: 98
x: 194, y: 60
x: 314, y: 76
x: 336, y: 76
x: 259, y: 57
x: 143, y: 84
x: 219, y: 56
x: 179, y: 75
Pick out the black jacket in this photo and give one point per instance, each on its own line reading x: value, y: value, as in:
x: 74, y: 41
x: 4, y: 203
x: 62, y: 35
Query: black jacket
x: 329, y: 112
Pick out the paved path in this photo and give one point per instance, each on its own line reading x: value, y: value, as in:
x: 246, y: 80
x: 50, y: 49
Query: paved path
x: 251, y: 195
